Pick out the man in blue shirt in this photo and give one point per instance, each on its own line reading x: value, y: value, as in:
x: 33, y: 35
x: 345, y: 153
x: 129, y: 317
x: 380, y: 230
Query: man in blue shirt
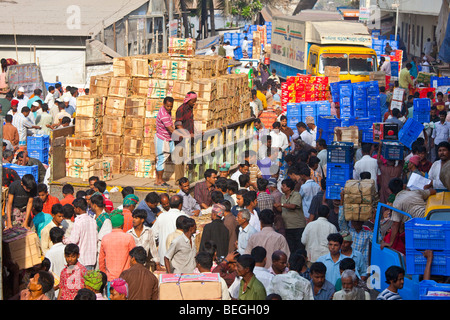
x: 332, y: 259
x: 150, y: 205
x: 322, y: 288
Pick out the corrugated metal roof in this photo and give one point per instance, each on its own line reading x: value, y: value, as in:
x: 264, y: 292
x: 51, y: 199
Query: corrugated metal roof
x: 62, y: 17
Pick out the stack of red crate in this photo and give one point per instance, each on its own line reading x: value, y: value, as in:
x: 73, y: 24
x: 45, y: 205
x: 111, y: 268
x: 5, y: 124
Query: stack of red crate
x: 302, y: 88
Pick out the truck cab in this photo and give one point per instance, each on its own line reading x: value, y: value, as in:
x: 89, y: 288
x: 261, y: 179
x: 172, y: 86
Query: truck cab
x: 355, y: 62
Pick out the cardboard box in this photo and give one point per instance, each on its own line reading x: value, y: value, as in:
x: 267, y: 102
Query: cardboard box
x: 99, y: 85
x: 115, y: 106
x: 113, y: 125
x: 331, y: 71
x: 112, y: 144
x: 135, y: 106
x: 84, y: 169
x: 385, y: 131
x: 190, y: 286
x: 132, y: 146
x: 22, y: 247
x: 87, y: 127
x: 359, y: 192
x: 145, y: 168
x: 90, y: 106
x: 133, y: 126
x: 358, y: 212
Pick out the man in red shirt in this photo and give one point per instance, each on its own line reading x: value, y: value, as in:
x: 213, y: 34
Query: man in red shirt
x: 100, y: 186
x: 67, y: 191
x: 46, y: 198
x: 114, y: 252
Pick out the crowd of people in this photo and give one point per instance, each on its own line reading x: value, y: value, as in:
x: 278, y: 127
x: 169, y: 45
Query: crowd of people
x: 272, y: 233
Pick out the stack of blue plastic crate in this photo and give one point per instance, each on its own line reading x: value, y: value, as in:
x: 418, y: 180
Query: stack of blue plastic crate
x: 421, y: 109
x: 38, y: 147
x: 308, y: 109
x: 422, y: 234
x: 346, y: 100
x: 339, y: 168
x: 359, y: 99
x: 293, y: 115
x: 327, y: 124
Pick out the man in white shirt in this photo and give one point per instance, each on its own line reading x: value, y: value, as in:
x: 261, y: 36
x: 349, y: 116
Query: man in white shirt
x: 305, y: 135
x: 260, y: 271
x: 245, y: 45
x: 367, y: 164
x: 22, y: 98
x: 229, y: 50
x: 243, y: 169
x: 441, y: 131
x: 315, y: 235
x: 50, y: 98
x: 279, y: 139
x: 428, y: 47
x: 245, y: 229
x: 166, y: 224
x: 435, y: 170
x: 385, y: 66
x: 24, y: 125
x: 211, y: 52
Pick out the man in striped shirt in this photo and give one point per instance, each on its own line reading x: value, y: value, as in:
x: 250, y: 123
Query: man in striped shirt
x: 164, y: 144
x: 395, y: 278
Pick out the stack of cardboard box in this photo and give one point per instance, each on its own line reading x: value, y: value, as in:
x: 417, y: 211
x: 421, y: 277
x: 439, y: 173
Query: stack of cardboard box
x: 133, y: 94
x: 84, y: 150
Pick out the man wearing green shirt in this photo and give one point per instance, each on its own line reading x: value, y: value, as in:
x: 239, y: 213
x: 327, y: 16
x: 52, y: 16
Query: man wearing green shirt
x: 5, y: 104
x: 250, y: 288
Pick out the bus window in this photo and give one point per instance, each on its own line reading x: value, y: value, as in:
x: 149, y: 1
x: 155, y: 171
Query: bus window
x: 334, y: 60
x: 362, y: 64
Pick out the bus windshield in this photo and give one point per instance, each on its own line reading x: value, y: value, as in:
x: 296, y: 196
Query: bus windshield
x: 334, y: 60
x: 362, y: 64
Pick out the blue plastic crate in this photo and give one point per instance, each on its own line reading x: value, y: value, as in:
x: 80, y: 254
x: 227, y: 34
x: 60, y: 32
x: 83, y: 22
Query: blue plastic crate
x: 423, y: 234
x: 339, y: 172
x: 416, y: 262
x: 392, y: 150
x: 340, y: 153
x: 308, y: 108
x: 410, y: 132
x: 345, y: 101
x: 293, y: 120
x: 333, y: 191
x: 422, y: 104
x: 360, y: 112
x: 360, y: 102
x: 421, y: 117
x: 38, y: 142
x: 293, y: 109
x: 40, y: 154
x: 367, y: 135
x: 23, y: 170
x: 373, y: 102
x: 346, y: 111
x: 345, y: 89
x: 373, y: 88
x: 323, y: 108
x: 427, y: 287
x: 328, y: 123
x: 360, y: 89
x: 362, y: 122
